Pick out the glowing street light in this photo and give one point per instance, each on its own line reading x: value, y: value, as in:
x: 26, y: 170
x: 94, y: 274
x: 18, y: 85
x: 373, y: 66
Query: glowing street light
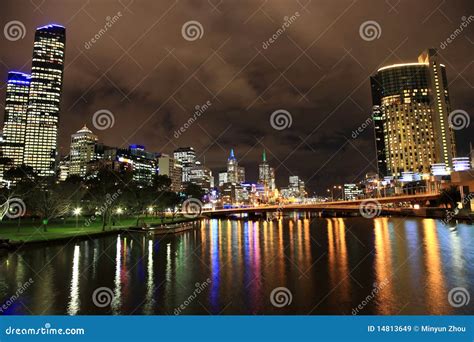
x: 77, y: 212
x: 119, y: 212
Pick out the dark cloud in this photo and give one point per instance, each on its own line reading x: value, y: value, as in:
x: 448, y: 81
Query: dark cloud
x: 152, y: 79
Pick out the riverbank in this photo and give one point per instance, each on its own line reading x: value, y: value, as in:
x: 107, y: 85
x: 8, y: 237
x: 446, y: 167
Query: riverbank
x: 29, y: 232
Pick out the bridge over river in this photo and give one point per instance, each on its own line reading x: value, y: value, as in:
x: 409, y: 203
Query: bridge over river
x: 385, y: 205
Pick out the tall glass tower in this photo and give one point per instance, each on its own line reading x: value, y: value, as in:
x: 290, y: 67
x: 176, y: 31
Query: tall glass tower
x: 18, y: 87
x: 187, y: 157
x: 42, y: 120
x: 410, y: 112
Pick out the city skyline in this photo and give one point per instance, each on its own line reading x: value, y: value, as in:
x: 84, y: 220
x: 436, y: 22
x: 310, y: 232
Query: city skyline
x: 329, y: 153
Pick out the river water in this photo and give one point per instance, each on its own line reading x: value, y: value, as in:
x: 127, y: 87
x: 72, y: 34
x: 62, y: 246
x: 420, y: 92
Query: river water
x: 337, y: 266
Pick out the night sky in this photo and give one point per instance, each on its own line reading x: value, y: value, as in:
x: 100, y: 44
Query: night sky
x: 144, y: 72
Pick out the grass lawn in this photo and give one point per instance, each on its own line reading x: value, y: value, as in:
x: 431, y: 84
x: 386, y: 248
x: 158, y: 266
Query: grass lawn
x: 30, y: 230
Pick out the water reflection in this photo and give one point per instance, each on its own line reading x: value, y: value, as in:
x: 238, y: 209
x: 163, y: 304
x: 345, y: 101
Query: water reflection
x: 329, y: 265
x: 74, y: 303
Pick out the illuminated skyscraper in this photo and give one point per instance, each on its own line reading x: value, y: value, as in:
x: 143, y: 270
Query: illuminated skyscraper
x: 411, y: 108
x: 202, y: 176
x: 232, y: 168
x: 42, y: 118
x: 82, y: 151
x: 187, y: 157
x: 18, y: 87
x: 266, y: 174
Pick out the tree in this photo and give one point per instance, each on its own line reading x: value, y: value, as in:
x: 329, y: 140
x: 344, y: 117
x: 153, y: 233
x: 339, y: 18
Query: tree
x: 194, y: 191
x: 161, y: 183
x: 49, y: 200
x: 104, y: 189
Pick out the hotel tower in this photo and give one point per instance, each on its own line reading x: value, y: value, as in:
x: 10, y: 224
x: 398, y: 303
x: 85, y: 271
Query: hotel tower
x: 410, y: 112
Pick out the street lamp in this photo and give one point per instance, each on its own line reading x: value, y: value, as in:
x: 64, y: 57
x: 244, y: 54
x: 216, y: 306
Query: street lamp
x: 77, y: 212
x: 119, y: 212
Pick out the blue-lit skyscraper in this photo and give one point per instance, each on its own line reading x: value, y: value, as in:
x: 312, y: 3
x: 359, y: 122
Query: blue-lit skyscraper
x: 18, y: 87
x: 42, y: 120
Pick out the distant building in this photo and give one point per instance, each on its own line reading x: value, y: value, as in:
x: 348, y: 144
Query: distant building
x: 232, y: 168
x: 223, y: 178
x: 187, y: 157
x: 296, y: 187
x: 13, y: 146
x: 64, y: 165
x: 240, y: 175
x: 172, y: 168
x: 410, y: 112
x: 352, y: 192
x: 42, y: 119
x: 202, y: 176
x: 266, y: 174
x: 82, y: 151
x: 135, y: 159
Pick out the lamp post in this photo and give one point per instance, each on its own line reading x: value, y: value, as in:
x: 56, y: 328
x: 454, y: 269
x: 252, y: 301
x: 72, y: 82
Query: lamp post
x: 77, y: 212
x: 119, y: 212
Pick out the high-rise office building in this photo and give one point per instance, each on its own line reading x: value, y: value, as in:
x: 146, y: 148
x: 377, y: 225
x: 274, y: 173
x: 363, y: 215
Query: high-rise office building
x: 187, y: 157
x: 172, y: 168
x: 82, y: 151
x: 266, y: 174
x: 232, y: 168
x: 42, y: 119
x: 202, y: 176
x: 223, y: 178
x: 13, y: 146
x: 410, y: 112
x: 296, y: 187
